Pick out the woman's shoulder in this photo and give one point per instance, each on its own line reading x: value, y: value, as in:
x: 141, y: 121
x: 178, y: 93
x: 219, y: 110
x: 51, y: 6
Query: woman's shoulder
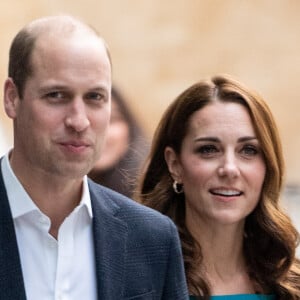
x: 238, y: 297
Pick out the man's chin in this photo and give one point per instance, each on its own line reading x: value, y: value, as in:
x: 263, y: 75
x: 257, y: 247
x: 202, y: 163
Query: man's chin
x: 74, y: 170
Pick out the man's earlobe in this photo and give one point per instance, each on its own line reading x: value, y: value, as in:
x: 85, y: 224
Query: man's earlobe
x: 11, y: 98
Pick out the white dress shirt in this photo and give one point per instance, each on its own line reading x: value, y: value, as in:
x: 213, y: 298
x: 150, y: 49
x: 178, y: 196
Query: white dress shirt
x: 62, y: 269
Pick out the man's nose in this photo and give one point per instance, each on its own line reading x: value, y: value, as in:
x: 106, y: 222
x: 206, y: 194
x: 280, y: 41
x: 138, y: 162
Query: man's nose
x: 77, y: 117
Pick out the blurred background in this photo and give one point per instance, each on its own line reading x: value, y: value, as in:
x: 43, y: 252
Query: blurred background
x: 160, y: 48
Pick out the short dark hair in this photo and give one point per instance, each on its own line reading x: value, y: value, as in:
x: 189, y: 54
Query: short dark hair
x: 20, y: 53
x: 19, y: 66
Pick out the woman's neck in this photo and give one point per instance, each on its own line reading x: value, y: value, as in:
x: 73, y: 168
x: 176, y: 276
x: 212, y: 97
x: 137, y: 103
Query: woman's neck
x: 223, y: 265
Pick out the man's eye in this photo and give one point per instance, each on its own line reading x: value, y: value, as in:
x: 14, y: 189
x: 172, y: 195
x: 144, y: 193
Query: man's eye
x: 95, y: 96
x: 55, y: 95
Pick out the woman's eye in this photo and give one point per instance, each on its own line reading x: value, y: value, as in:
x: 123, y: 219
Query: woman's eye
x: 207, y: 149
x: 250, y: 150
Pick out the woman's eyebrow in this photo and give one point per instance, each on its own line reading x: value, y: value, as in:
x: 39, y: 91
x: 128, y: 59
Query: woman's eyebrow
x: 207, y: 139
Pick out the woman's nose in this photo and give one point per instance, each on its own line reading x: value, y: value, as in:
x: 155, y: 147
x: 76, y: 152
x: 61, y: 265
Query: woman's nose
x: 229, y: 167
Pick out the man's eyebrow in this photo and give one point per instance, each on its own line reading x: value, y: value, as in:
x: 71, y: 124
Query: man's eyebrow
x: 99, y: 89
x: 48, y: 88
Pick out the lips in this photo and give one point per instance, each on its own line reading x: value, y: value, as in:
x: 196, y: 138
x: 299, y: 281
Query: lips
x: 75, y: 146
x: 75, y: 143
x: 226, y: 192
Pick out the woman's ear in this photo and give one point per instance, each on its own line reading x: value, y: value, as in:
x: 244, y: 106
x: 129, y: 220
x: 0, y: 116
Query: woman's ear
x: 174, y: 166
x: 11, y: 98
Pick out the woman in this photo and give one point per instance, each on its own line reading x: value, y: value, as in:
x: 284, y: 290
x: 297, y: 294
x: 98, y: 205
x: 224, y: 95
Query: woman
x: 126, y: 147
x: 216, y: 169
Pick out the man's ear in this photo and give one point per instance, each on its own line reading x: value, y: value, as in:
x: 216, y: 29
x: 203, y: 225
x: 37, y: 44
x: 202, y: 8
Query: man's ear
x: 174, y: 166
x: 11, y: 98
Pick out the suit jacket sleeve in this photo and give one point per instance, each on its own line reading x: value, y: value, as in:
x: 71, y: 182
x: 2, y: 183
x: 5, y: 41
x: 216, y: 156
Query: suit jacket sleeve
x: 137, y: 249
x: 175, y: 285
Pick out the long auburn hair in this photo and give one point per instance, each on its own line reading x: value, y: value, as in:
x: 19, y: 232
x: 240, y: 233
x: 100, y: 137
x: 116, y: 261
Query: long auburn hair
x: 270, y: 238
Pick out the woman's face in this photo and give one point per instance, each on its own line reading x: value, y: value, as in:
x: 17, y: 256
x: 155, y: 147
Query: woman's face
x: 117, y: 140
x: 221, y: 165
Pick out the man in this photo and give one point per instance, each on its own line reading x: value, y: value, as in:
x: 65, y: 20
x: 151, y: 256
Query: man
x: 61, y: 235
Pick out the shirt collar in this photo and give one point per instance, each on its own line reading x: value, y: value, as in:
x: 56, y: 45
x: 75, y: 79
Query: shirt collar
x: 86, y: 198
x: 21, y: 203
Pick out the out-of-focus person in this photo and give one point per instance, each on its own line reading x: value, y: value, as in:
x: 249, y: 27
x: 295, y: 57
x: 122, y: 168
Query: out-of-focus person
x: 125, y: 149
x: 216, y: 168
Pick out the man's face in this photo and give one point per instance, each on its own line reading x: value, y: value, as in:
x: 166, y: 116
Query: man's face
x: 61, y: 121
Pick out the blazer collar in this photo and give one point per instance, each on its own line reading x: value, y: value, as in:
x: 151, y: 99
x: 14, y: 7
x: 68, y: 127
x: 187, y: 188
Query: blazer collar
x: 110, y: 237
x: 11, y: 278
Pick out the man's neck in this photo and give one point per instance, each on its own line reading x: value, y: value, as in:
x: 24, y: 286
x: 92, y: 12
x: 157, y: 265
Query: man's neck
x: 55, y: 196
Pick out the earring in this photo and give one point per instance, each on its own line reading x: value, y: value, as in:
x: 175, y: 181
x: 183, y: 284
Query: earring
x: 177, y: 187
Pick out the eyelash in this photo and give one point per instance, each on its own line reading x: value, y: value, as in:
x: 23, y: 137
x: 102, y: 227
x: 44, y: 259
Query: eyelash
x: 58, y: 96
x: 210, y: 150
x: 95, y: 96
x: 55, y: 95
x: 250, y: 150
x: 207, y: 150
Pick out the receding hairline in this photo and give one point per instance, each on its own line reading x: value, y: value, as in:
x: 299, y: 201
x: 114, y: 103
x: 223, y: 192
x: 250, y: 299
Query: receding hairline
x: 58, y: 24
x: 62, y: 26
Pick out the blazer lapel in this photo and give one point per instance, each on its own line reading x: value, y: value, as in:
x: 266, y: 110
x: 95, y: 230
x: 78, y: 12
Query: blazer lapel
x: 11, y: 278
x: 110, y: 237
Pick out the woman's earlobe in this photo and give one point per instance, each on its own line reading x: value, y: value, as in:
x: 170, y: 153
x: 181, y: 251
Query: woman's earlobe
x: 11, y: 98
x: 172, y: 163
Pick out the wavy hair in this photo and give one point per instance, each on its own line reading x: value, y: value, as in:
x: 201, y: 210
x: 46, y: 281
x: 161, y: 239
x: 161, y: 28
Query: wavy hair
x: 270, y: 238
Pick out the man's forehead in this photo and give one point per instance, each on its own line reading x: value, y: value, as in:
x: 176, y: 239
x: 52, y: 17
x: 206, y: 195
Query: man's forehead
x: 58, y: 28
x: 59, y: 24
x: 56, y: 38
x: 66, y: 56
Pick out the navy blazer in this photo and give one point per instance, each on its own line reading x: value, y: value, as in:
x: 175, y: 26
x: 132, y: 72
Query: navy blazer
x: 137, y: 250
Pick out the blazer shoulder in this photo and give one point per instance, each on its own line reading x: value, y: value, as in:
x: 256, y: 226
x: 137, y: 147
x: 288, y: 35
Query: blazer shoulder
x: 136, y: 216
